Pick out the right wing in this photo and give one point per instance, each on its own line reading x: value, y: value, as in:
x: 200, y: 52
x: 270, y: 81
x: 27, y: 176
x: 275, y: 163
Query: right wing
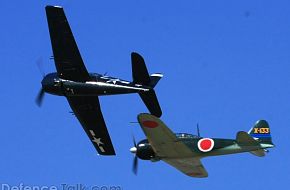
x: 68, y: 60
x: 169, y: 148
x: 87, y: 110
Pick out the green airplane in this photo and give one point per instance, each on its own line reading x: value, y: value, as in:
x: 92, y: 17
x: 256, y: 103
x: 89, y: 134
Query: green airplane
x: 184, y: 151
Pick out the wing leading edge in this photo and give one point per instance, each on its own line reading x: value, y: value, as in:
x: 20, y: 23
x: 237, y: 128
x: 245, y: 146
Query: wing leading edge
x: 68, y: 60
x: 169, y: 148
x: 87, y: 110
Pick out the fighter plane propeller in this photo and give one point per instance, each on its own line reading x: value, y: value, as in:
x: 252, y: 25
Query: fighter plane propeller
x: 184, y: 151
x: 135, y: 161
x: 40, y: 96
x: 135, y: 151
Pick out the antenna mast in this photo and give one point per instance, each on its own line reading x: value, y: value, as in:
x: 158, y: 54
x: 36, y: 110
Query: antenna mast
x: 197, y: 128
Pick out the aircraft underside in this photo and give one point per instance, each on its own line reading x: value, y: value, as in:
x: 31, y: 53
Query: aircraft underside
x: 98, y: 89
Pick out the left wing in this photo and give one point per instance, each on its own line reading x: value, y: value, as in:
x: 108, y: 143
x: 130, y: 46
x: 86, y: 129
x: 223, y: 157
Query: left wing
x: 87, y: 110
x: 163, y: 140
x: 169, y: 148
x: 189, y: 166
x: 68, y: 60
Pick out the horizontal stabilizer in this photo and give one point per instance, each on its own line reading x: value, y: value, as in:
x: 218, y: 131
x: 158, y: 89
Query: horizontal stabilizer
x: 244, y: 139
x: 150, y: 100
x: 154, y: 79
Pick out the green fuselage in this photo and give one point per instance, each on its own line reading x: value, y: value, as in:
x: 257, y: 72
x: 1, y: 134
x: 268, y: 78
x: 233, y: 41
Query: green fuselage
x: 221, y: 147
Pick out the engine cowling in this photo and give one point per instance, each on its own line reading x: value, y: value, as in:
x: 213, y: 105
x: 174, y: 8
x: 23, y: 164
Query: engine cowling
x: 145, y: 151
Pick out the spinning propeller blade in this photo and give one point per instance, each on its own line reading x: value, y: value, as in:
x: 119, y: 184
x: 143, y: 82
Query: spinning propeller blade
x: 39, y: 63
x: 40, y: 97
x: 134, y: 141
x: 135, y: 165
x: 135, y: 161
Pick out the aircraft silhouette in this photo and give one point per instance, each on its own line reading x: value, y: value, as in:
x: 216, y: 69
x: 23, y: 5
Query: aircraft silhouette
x: 184, y: 151
x: 81, y: 88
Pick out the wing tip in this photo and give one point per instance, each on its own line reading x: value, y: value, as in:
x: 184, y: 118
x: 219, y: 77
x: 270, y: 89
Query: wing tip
x: 111, y: 154
x: 145, y: 115
x: 53, y: 7
x: 157, y: 75
x: 135, y: 54
x: 197, y: 175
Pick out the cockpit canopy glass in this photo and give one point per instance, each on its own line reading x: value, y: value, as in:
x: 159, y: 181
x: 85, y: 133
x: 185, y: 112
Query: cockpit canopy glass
x: 185, y: 135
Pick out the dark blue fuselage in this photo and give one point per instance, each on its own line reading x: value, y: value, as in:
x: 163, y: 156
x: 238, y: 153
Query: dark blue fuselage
x: 97, y: 86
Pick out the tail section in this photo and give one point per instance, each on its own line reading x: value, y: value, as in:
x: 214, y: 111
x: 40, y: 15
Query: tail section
x: 246, y: 141
x: 141, y: 76
x: 257, y: 140
x: 261, y: 132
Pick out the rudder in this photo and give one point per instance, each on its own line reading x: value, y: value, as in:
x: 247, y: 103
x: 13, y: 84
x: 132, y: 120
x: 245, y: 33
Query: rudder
x: 139, y: 70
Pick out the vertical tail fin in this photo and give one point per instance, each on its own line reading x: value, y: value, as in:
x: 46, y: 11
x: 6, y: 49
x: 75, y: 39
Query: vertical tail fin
x: 261, y: 132
x: 139, y: 70
x: 141, y: 76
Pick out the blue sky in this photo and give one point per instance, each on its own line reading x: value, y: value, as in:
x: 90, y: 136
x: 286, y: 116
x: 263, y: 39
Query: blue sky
x: 226, y: 64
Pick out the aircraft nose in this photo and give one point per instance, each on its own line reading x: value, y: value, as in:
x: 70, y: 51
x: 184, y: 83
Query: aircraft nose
x: 133, y: 150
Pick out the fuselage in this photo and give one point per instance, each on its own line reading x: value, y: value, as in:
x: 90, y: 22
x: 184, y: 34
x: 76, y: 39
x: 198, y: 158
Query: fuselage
x: 218, y: 147
x: 98, y: 85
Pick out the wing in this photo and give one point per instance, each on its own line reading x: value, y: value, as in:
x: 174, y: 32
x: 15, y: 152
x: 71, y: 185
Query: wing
x: 169, y: 148
x: 162, y: 139
x: 87, y: 110
x: 189, y: 166
x: 68, y: 60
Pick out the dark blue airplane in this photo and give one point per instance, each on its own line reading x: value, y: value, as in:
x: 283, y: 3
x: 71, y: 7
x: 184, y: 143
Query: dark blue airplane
x: 82, y: 88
